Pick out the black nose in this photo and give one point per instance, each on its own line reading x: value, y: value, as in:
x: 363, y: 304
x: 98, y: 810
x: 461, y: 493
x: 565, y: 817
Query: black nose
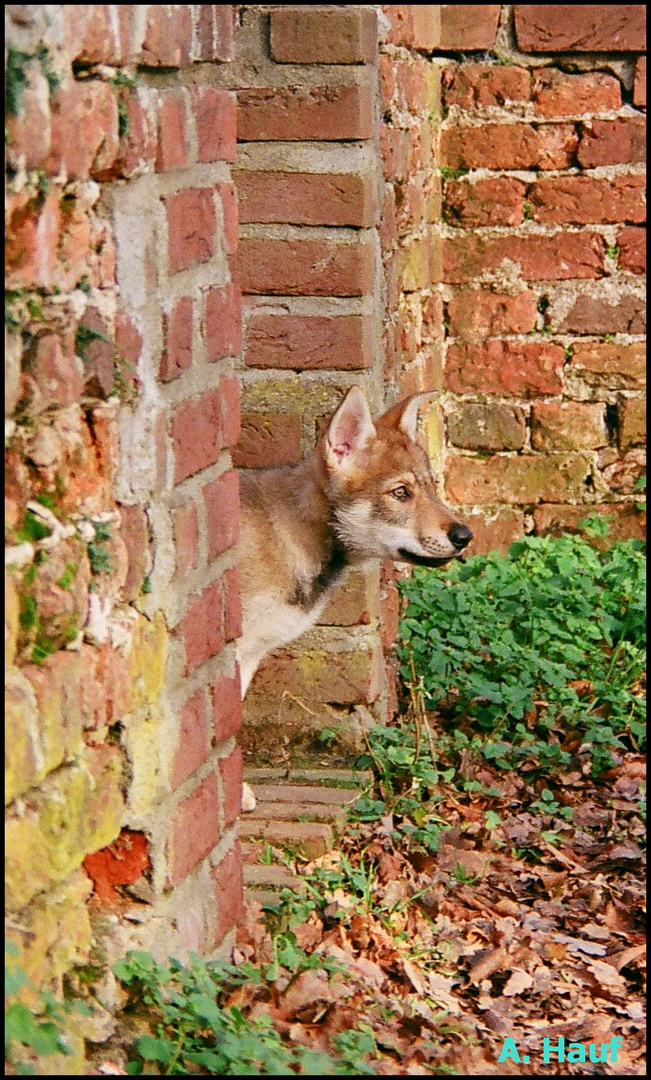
x: 459, y: 535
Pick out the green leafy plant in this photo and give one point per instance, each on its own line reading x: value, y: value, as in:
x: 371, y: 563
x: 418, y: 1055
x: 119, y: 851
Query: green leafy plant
x: 527, y: 648
x: 40, y: 1029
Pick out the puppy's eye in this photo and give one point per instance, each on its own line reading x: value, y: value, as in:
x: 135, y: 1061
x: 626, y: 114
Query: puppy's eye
x: 401, y: 493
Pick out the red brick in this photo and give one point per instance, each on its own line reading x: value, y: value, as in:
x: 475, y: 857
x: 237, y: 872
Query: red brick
x: 215, y: 32
x: 194, y: 830
x: 568, y: 425
x: 495, y: 201
x: 222, y: 499
x: 605, y: 364
x: 227, y: 706
x: 298, y: 112
x: 186, y: 538
x: 191, y: 222
x: 128, y: 342
x: 389, y: 615
x: 222, y: 328
x: 509, y: 146
x: 416, y: 26
x: 216, y: 121
x: 639, y: 87
x: 201, y: 628
x: 473, y: 85
x: 230, y: 770
x: 558, y: 94
x: 323, y: 35
x: 505, y: 367
x: 479, y: 314
x: 138, y: 146
x: 121, y: 863
x: 627, y: 521
x: 134, y: 531
x: 173, y: 149
x: 57, y: 374
x: 308, y: 342
x: 268, y: 439
x: 194, y: 739
x: 494, y: 531
x: 177, y: 339
x: 229, y: 388
x: 525, y: 479
x: 540, y: 258
x: 29, y: 133
x: 228, y: 194
x: 168, y: 36
x: 96, y: 33
x: 591, y: 28
x: 196, y: 432
x: 32, y: 238
x: 486, y: 427
x: 583, y: 200
x: 632, y: 250
x: 612, y: 142
x: 229, y: 892
x: 232, y: 605
x: 98, y: 355
x: 307, y: 198
x: 395, y: 147
x: 590, y: 315
x: 631, y: 422
x: 469, y: 26
x: 306, y: 267
x: 622, y: 475
x: 84, y: 129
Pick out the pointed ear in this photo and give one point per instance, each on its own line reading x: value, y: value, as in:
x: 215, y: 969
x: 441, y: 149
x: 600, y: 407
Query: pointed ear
x: 404, y: 415
x: 350, y: 428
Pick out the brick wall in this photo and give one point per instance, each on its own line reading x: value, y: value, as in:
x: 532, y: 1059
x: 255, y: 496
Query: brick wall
x: 122, y: 504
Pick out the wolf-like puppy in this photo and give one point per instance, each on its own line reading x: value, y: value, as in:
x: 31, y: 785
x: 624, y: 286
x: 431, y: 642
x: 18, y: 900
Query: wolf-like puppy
x: 366, y: 491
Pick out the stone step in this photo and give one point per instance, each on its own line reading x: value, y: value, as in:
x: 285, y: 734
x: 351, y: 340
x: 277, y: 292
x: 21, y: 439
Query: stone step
x: 309, y: 838
x: 297, y: 793
x: 288, y: 811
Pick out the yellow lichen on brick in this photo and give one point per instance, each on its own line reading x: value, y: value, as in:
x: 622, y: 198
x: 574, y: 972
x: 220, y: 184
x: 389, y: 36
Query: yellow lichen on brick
x: 149, y: 745
x: 12, y: 619
x: 147, y: 657
x: 24, y: 763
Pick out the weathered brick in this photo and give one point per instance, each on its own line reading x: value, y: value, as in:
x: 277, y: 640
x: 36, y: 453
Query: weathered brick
x: 135, y: 534
x: 631, y: 422
x: 30, y: 133
x: 349, y: 677
x: 622, y: 475
x: 311, y: 838
x: 194, y: 738
x: 495, y: 201
x: 353, y: 603
x: 308, y: 342
x: 639, y: 86
x: 138, y: 145
x: 121, y: 863
x: 612, y: 142
x: 469, y: 26
x: 215, y: 32
x: 24, y: 760
x: 390, y: 606
x: 96, y: 33
x: 486, y: 427
x: 194, y: 829
x: 395, y: 148
x: 268, y: 439
x: 168, y: 36
x: 191, y: 222
x: 56, y: 373
x: 60, y: 591
x: 590, y: 315
x: 98, y: 354
x: 298, y: 112
x: 419, y: 263
x: 606, y: 364
x: 306, y: 267
x: 147, y: 656
x: 557, y: 94
x: 416, y: 26
x: 417, y: 85
x: 215, y: 117
x: 230, y: 770
x: 582, y: 200
x: 33, y: 233
x: 228, y: 195
x: 197, y: 435
x: 76, y: 810
x: 632, y: 250
x: 494, y: 530
x: 222, y: 326
x: 568, y: 425
x: 323, y: 35
x: 128, y: 342
x: 229, y: 892
x: 222, y: 499
x: 232, y: 604
x: 173, y: 149
x: 307, y: 198
x: 592, y: 28
x: 229, y: 401
x: 509, y: 146
x: 479, y: 314
x: 473, y: 85
x: 84, y: 129
x: 201, y: 628
x: 177, y: 339
x: 186, y: 538
x: 627, y: 522
x: 505, y: 367
x: 522, y: 480
x: 227, y: 706
x: 540, y: 258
